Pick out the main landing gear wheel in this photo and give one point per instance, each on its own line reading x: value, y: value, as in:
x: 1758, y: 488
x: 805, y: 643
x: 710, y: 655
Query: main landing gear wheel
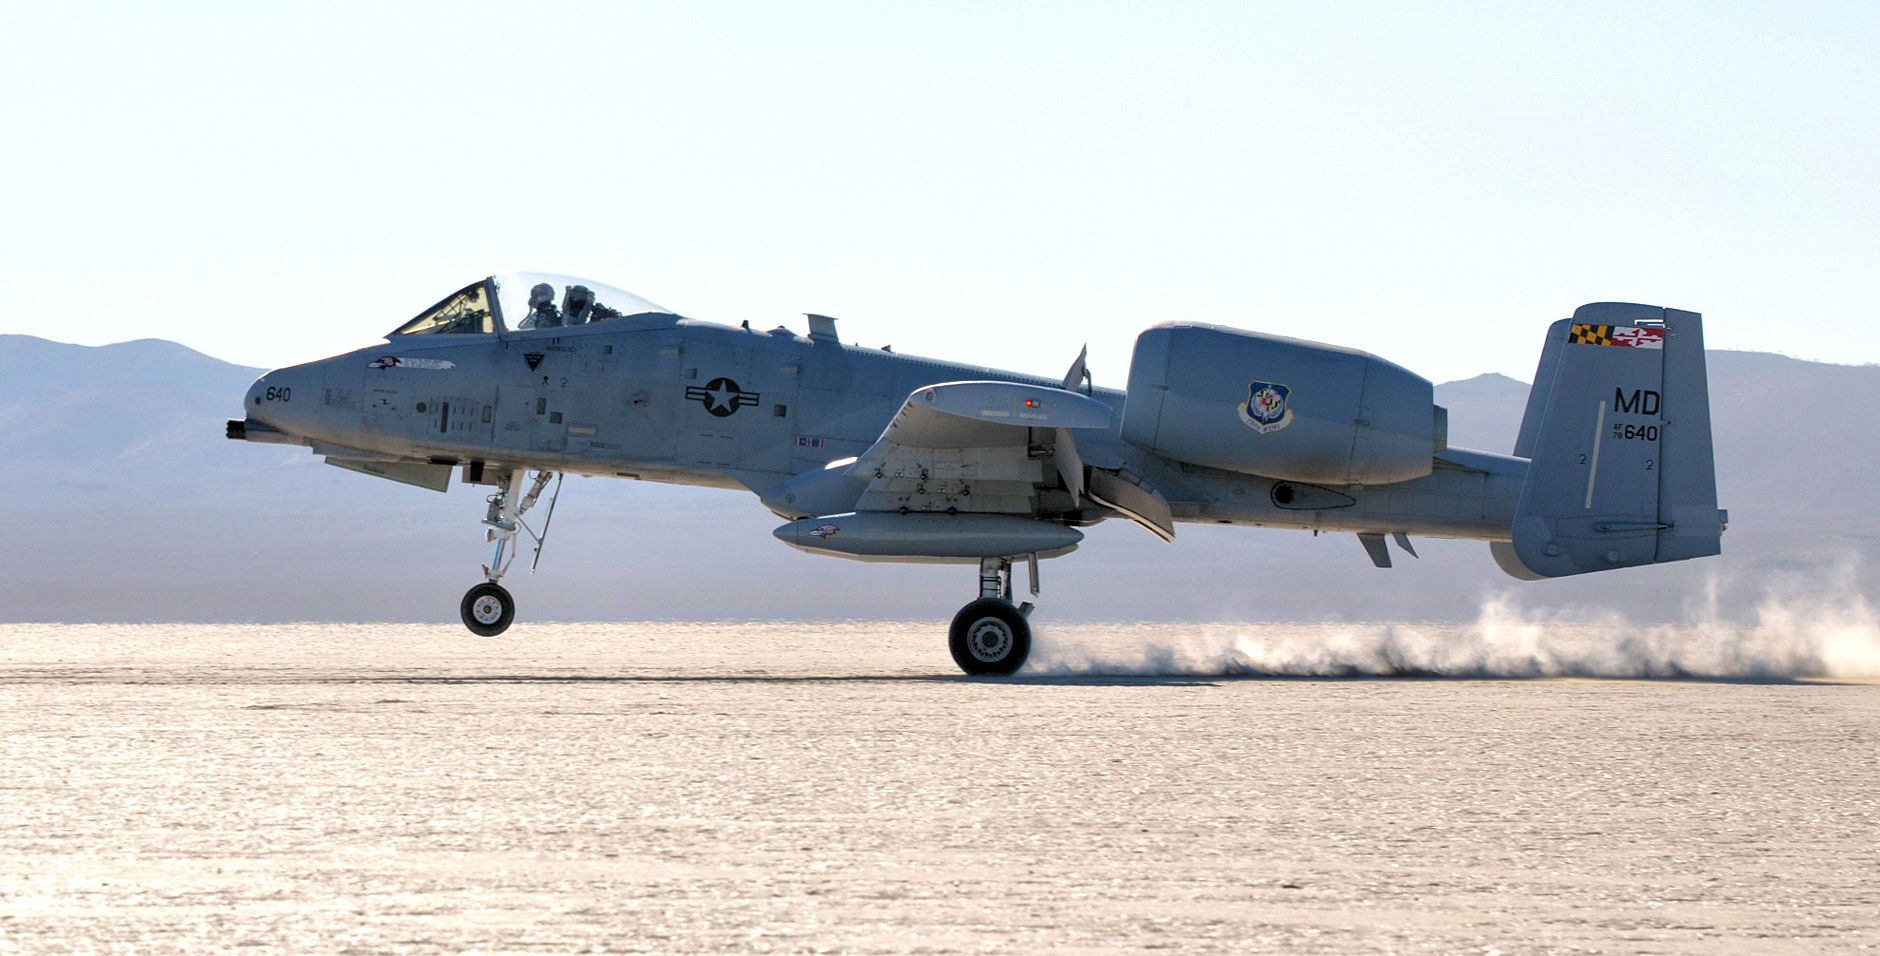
x: 488, y: 609
x: 989, y: 636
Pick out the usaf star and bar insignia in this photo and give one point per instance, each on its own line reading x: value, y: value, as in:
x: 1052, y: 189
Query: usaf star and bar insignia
x: 721, y: 396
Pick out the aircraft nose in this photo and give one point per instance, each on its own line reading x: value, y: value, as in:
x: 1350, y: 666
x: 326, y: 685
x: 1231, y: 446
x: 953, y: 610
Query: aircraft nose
x: 275, y: 397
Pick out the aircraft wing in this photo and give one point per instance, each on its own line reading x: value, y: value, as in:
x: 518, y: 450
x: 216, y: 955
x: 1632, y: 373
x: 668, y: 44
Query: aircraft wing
x: 977, y: 448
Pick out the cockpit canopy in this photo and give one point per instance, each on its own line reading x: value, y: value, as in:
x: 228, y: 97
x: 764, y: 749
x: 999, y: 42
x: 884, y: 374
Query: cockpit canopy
x: 527, y: 302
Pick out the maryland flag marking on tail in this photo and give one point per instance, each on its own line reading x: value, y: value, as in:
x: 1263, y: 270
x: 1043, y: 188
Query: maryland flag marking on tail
x: 1623, y: 336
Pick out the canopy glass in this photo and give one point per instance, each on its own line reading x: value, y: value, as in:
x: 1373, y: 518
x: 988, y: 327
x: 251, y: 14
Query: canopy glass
x: 527, y: 302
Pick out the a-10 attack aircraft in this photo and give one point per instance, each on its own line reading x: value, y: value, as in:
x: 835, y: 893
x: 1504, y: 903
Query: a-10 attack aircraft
x: 876, y: 456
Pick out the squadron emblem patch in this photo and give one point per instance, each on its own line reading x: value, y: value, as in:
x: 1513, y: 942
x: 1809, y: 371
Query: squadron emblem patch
x: 1265, y: 409
x: 1623, y: 336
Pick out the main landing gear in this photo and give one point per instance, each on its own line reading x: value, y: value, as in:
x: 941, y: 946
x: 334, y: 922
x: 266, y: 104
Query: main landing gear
x: 488, y: 609
x: 990, y: 635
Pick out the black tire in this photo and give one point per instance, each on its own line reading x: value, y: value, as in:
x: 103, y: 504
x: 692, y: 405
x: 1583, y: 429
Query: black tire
x: 989, y: 636
x: 487, y: 609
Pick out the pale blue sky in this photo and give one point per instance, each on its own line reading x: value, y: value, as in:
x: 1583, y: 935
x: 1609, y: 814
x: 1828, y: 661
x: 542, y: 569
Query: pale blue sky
x: 992, y: 182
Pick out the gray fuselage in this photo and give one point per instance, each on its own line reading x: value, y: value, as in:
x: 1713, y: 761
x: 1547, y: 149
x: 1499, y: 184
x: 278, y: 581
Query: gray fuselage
x: 699, y: 403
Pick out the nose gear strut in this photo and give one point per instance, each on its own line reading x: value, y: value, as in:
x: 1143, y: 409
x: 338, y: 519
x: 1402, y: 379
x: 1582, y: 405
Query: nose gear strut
x: 488, y: 608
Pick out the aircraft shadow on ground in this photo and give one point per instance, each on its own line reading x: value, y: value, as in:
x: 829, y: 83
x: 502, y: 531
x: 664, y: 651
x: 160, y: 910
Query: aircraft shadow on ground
x: 1211, y: 680
x: 1089, y: 680
x: 1052, y: 680
x: 140, y: 676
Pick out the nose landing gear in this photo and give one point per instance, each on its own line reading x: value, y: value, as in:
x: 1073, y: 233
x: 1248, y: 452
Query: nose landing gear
x: 488, y: 609
x: 990, y: 635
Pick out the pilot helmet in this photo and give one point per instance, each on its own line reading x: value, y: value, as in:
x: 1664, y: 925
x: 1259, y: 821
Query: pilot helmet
x: 579, y: 297
x: 543, y: 294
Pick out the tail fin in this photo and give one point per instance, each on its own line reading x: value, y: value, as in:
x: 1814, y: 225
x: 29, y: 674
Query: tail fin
x: 1618, y: 433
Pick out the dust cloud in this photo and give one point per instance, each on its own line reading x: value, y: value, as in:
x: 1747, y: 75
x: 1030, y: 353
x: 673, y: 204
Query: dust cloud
x: 1803, y: 626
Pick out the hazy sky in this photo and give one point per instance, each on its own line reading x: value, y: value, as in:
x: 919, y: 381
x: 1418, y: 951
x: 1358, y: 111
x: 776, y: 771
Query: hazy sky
x: 994, y: 182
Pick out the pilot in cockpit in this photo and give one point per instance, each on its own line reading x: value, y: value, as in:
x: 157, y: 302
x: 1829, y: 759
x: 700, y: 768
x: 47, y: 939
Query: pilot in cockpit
x: 542, y: 311
x: 579, y: 308
x: 576, y: 305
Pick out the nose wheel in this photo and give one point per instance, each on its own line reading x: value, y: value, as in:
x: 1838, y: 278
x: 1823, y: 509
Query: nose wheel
x: 488, y: 609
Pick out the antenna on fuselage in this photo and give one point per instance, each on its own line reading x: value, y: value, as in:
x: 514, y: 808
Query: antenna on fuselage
x: 822, y: 328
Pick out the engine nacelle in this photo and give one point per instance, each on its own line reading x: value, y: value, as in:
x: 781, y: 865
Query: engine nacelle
x: 1280, y: 408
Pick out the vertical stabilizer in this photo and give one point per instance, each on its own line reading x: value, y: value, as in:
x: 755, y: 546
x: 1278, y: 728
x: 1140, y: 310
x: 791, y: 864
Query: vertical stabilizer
x: 1618, y: 430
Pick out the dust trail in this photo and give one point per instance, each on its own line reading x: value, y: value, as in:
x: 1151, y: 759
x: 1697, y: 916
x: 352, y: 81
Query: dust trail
x: 1806, y: 627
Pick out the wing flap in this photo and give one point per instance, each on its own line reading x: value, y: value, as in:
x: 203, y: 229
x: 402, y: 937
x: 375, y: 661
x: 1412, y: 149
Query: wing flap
x: 1141, y: 504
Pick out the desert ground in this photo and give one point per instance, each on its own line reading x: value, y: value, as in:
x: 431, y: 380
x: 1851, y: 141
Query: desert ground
x: 838, y: 787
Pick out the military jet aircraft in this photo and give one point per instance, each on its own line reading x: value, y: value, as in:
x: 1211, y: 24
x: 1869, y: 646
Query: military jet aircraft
x: 516, y: 380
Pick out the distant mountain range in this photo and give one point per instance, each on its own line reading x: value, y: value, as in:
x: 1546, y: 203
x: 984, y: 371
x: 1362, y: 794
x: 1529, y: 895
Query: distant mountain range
x: 127, y: 504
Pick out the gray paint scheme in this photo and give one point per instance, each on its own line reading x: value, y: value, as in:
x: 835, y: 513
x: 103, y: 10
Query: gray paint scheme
x: 661, y: 398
